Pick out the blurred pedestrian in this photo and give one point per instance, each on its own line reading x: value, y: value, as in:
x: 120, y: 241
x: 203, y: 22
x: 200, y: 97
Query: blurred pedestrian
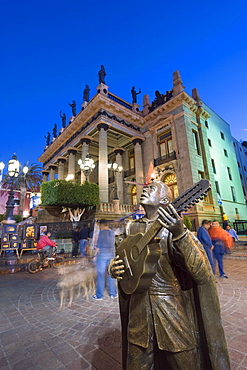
x: 75, y: 241
x: 83, y: 240
x: 232, y: 232
x: 225, y: 220
x: 204, y: 238
x: 221, y: 240
x: 105, y: 251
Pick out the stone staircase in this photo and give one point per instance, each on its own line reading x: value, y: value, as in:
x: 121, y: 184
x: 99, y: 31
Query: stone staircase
x: 239, y: 251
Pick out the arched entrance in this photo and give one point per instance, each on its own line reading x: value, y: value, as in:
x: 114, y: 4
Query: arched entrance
x: 171, y: 181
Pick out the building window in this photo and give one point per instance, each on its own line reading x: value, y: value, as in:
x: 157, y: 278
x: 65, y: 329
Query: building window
x: 222, y: 135
x: 213, y: 166
x: 244, y: 191
x: 237, y: 214
x: 165, y: 144
x: 229, y: 173
x: 209, y: 142
x: 244, y: 168
x: 206, y: 124
x: 225, y: 152
x: 234, y: 198
x: 196, y: 142
x: 234, y: 144
x: 241, y: 177
x: 131, y: 159
x: 240, y: 149
x: 217, y: 187
x: 200, y: 175
x: 238, y: 165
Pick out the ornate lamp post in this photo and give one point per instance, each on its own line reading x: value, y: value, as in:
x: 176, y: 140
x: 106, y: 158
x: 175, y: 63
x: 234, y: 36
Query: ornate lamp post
x: 87, y: 166
x: 115, y: 168
x: 13, y: 173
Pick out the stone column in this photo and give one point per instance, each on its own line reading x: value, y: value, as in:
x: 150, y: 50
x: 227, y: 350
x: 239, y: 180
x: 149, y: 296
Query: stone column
x: 45, y: 175
x: 61, y: 162
x: 138, y: 165
x: 52, y: 169
x: 85, y: 141
x: 119, y: 175
x: 103, y: 162
x: 71, y: 165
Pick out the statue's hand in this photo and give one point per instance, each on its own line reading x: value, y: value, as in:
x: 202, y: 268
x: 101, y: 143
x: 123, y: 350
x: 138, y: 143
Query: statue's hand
x: 170, y: 219
x: 116, y: 268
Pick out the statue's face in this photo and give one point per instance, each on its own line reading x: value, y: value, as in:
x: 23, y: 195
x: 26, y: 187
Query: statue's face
x: 154, y: 193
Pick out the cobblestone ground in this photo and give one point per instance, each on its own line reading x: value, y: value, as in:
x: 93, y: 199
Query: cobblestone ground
x: 35, y: 335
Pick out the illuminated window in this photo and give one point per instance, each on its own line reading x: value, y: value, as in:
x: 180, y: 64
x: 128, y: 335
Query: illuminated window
x: 171, y: 181
x: 134, y: 195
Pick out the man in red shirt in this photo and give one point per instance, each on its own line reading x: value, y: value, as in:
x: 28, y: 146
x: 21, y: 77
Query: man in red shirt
x: 46, y: 244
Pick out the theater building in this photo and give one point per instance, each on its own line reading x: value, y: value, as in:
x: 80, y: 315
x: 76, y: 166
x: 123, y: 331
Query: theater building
x: 175, y: 137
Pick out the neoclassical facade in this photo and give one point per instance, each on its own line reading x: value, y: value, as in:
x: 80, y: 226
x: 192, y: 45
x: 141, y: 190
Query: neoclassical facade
x: 167, y: 139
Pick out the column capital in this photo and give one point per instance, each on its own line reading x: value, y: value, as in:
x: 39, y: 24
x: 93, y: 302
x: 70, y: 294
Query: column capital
x: 45, y: 172
x: 72, y: 151
x: 102, y: 125
x: 86, y: 139
x: 118, y: 150
x: 61, y: 160
x: 137, y: 140
x: 53, y: 167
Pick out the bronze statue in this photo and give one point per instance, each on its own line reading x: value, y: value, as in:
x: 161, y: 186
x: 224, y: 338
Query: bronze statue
x: 102, y: 75
x: 54, y: 131
x: 174, y: 323
x: 134, y: 94
x: 86, y: 93
x: 48, y: 138
x: 73, y: 106
x: 63, y: 116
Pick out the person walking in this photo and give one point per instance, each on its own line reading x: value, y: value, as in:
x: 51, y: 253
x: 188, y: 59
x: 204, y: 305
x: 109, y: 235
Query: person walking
x: 221, y: 240
x: 204, y: 238
x: 46, y: 244
x: 225, y: 220
x: 105, y: 251
x: 83, y: 240
x: 75, y: 242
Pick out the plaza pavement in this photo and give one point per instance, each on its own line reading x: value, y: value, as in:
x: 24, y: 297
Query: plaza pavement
x: 35, y: 335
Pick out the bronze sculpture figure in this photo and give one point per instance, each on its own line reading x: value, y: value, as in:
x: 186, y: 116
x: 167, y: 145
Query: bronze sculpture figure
x: 102, y: 74
x: 175, y: 323
x: 73, y: 106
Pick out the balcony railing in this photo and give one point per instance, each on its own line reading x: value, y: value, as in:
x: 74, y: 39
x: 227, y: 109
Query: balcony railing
x: 164, y: 159
x: 129, y: 172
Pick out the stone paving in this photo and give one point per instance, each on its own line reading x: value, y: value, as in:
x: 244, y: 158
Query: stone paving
x: 35, y: 335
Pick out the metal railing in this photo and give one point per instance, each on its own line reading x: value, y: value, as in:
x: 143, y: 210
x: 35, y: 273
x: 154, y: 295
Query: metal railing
x: 164, y: 158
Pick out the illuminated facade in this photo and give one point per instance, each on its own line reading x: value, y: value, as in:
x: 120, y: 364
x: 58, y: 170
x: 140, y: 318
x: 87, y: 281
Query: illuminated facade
x: 170, y: 137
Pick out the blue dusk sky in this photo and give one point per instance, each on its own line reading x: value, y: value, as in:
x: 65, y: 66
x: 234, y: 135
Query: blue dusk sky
x: 51, y: 49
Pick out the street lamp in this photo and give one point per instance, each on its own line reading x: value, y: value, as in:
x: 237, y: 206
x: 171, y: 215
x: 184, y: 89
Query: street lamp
x: 115, y: 168
x: 13, y: 173
x: 87, y: 166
